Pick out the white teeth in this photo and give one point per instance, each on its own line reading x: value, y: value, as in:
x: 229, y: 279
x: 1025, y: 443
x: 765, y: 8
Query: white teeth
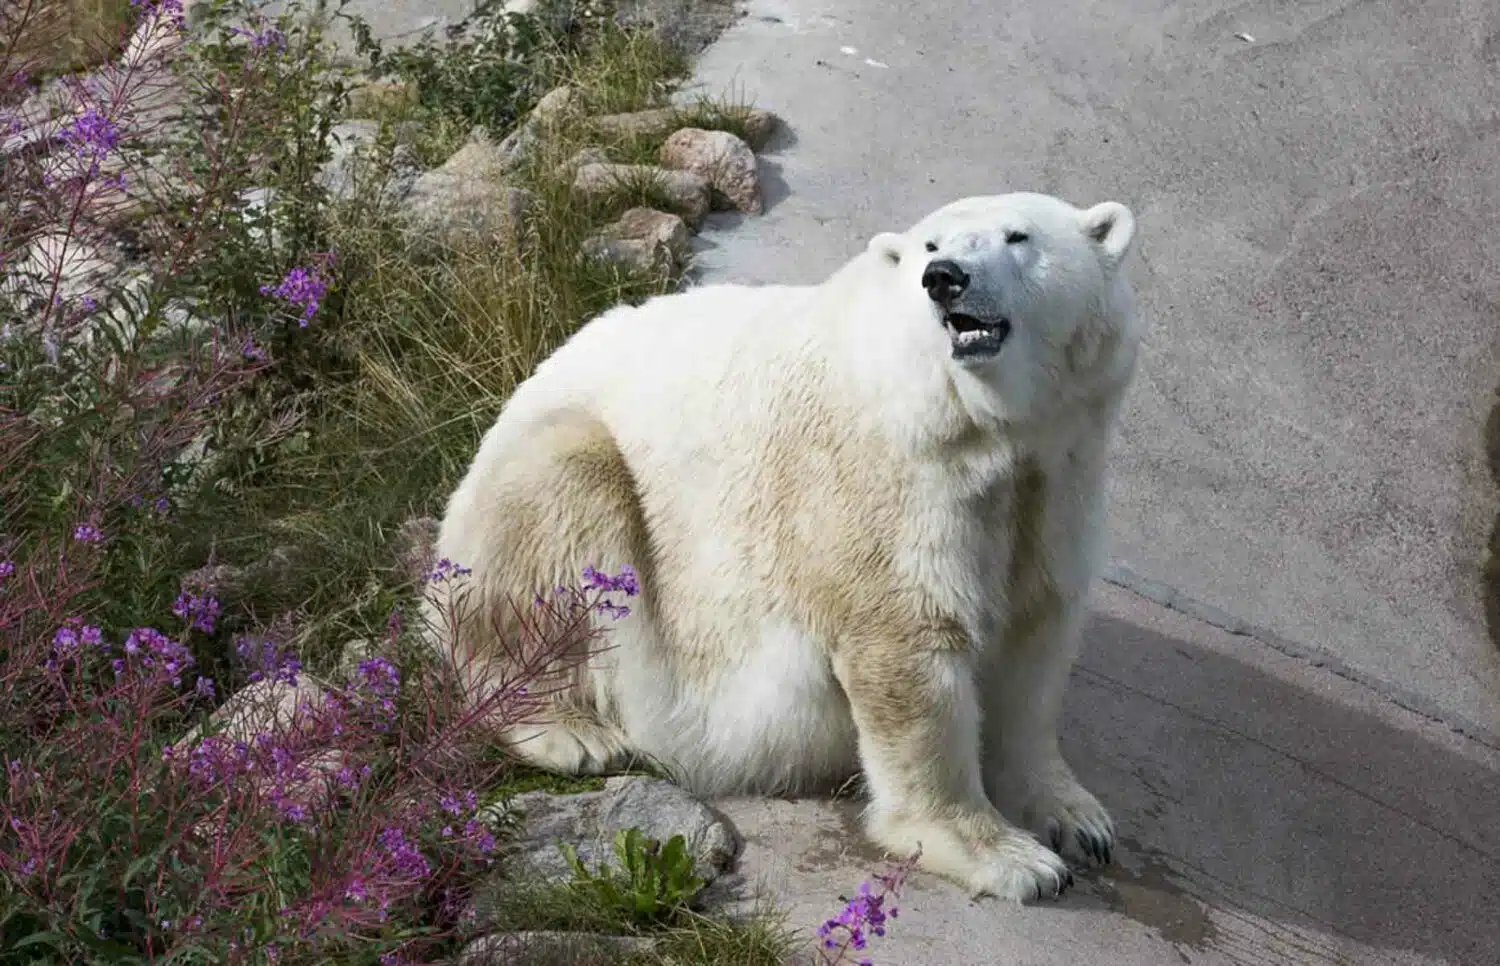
x: 973, y: 335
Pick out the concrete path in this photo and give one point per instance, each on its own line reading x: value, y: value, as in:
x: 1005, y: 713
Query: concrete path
x: 1315, y: 184
x: 1302, y: 462
x: 1271, y: 814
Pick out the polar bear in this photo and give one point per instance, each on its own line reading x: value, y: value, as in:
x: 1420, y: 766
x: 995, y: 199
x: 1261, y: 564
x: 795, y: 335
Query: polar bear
x: 864, y: 515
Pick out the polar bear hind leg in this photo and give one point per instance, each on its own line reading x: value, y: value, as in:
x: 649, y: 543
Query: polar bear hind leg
x: 531, y: 517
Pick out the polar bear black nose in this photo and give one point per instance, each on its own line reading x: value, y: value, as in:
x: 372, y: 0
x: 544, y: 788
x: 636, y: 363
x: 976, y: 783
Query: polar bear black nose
x: 944, y: 280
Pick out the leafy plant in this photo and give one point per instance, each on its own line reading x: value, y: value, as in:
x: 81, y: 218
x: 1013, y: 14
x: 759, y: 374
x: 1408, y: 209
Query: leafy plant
x: 654, y: 882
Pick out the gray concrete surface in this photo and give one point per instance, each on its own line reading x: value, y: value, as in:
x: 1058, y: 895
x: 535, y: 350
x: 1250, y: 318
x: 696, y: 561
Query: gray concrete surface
x: 1318, y: 260
x: 1271, y: 813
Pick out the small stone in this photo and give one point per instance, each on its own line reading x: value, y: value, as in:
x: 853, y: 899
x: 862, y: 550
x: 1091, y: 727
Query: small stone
x: 79, y: 269
x: 585, y: 157
x: 274, y: 574
x: 656, y: 122
x: 723, y: 159
x: 267, y: 706
x: 352, y: 144
x: 551, y: 949
x: 687, y: 193
x: 519, y: 146
x: 632, y: 254
x: 656, y: 227
x: 760, y: 126
x: 557, y: 105
x: 467, y: 196
x: 590, y: 820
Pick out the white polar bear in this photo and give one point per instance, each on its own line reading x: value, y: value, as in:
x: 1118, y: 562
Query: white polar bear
x: 865, y: 515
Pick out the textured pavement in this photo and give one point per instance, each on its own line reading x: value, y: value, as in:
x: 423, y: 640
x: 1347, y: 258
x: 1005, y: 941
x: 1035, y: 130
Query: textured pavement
x: 1302, y: 461
x: 1268, y: 816
x: 1318, y: 260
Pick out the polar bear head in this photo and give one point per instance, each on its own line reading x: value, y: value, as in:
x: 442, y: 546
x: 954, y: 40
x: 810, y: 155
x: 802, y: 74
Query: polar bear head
x: 1020, y: 294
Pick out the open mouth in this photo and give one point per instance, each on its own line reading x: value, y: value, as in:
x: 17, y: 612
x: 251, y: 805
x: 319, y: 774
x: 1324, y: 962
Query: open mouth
x: 974, y: 338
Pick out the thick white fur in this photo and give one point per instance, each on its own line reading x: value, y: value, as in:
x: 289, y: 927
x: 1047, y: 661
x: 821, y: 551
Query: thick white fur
x: 855, y: 551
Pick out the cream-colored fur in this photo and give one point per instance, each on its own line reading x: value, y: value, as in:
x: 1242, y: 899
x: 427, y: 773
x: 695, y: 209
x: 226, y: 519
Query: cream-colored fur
x: 856, y: 551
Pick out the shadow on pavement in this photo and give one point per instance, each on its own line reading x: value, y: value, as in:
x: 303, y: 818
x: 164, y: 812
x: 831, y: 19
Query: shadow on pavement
x: 1237, y: 790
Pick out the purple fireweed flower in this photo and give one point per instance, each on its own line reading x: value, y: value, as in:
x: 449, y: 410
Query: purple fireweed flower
x: 626, y: 581
x: 262, y: 39
x: 92, y: 134
x: 158, y: 654
x: 302, y: 288
x: 407, y: 858
x: 446, y: 570
x: 866, y: 914
x: 199, y: 612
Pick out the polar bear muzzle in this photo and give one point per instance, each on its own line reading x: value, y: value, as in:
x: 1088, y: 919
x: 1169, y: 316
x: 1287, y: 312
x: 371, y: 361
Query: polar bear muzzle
x: 974, y: 338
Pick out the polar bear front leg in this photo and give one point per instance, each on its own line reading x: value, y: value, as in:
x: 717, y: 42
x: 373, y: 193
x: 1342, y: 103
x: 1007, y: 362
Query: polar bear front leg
x: 917, y: 714
x: 1022, y: 683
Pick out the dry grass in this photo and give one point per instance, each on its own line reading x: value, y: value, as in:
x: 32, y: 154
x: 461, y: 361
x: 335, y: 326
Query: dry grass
x: 47, y: 37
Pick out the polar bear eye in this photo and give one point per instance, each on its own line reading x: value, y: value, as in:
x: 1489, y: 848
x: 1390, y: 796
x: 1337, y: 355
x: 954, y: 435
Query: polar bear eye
x: 1016, y: 237
x: 931, y: 246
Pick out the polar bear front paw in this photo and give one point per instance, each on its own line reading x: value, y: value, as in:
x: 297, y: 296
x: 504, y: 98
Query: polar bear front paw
x: 1021, y: 870
x: 1073, y: 821
x: 979, y: 850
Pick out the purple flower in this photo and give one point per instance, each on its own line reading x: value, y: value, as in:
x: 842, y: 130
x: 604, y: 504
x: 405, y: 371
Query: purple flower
x: 302, y: 288
x: 446, y: 570
x: 408, y: 860
x: 204, y: 688
x: 6, y: 569
x: 65, y: 642
x: 91, y: 135
x: 253, y: 351
x: 88, y: 533
x: 865, y: 915
x: 261, y: 39
x: 625, y: 582
x: 199, y: 612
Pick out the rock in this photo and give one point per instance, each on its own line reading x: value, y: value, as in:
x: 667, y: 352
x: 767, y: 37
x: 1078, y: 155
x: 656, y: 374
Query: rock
x: 353, y: 145
x: 642, y: 240
x: 467, y: 196
x: 519, y: 146
x: 82, y: 270
x: 656, y: 122
x: 255, y: 203
x: 267, y: 706
x: 760, y: 125
x: 686, y: 192
x: 585, y: 157
x: 725, y: 161
x: 632, y: 254
x: 557, y: 105
x: 552, y: 949
x: 589, y: 821
x: 273, y: 574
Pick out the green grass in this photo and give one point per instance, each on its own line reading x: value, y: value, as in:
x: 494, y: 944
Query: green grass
x: 758, y: 939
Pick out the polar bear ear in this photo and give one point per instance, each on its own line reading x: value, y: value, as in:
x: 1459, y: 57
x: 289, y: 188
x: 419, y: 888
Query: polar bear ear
x: 887, y: 245
x: 1111, y: 226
